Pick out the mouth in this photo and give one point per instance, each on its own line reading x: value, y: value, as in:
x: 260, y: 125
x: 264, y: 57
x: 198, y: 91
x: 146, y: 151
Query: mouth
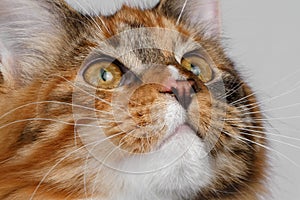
x: 181, y: 129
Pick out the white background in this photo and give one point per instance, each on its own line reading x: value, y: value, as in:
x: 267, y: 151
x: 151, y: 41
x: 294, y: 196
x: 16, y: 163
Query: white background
x: 263, y: 37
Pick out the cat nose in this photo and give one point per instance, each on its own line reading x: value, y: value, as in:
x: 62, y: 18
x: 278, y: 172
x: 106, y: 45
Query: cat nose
x: 182, y: 90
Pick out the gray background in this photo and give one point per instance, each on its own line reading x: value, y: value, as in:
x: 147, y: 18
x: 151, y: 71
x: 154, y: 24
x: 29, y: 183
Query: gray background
x: 263, y: 37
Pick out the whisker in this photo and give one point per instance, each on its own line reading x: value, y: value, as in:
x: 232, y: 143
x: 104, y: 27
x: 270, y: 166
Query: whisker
x: 296, y: 86
x: 181, y: 12
x: 268, y: 133
x: 256, y: 104
x: 56, y: 164
x: 98, y: 17
x: 56, y: 102
x: 262, y: 119
x: 91, y: 19
x: 263, y: 146
x: 271, y: 139
x: 231, y: 91
x: 106, y: 157
x: 270, y: 110
x: 243, y: 98
x: 51, y: 120
x: 286, y: 77
x: 86, y: 163
x: 94, y: 119
x: 100, y: 120
x: 94, y: 96
x: 62, y: 159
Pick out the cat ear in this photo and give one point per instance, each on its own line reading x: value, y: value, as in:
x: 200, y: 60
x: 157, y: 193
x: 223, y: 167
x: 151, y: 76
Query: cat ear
x: 27, y: 28
x: 6, y: 65
x: 198, y: 13
x: 106, y: 8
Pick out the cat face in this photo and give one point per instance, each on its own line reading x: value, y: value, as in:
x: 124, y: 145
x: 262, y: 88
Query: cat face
x: 143, y: 104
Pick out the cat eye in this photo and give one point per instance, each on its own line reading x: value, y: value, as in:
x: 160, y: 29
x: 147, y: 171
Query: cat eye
x: 199, y: 67
x: 103, y: 74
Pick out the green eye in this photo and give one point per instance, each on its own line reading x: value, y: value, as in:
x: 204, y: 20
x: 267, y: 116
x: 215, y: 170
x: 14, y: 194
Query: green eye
x: 199, y: 67
x: 104, y: 75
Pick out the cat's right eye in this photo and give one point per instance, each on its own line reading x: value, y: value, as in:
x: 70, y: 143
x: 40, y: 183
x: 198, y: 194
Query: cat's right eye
x: 103, y: 74
x: 199, y: 67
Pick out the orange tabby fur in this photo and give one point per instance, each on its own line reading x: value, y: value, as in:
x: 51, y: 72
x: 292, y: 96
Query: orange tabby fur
x: 24, y: 162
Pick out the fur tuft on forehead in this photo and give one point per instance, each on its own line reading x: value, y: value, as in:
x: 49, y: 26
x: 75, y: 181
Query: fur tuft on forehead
x: 105, y: 7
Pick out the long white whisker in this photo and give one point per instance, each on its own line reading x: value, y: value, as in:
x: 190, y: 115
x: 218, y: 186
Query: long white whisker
x: 263, y: 146
x: 268, y: 133
x: 46, y: 119
x: 256, y: 104
x: 106, y: 157
x: 262, y: 119
x: 86, y: 162
x: 56, y: 102
x: 96, y: 14
x: 271, y: 139
x: 94, y: 96
x: 231, y: 91
x: 243, y: 99
x: 270, y: 110
x: 181, y: 12
x: 91, y: 19
x: 286, y: 77
x: 55, y: 165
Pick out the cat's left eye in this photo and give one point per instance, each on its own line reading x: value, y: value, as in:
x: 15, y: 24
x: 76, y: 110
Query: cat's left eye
x: 104, y: 75
x: 199, y: 67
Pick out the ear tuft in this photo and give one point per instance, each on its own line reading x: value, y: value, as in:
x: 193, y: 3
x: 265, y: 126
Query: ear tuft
x: 204, y: 14
x: 7, y: 69
x: 27, y: 28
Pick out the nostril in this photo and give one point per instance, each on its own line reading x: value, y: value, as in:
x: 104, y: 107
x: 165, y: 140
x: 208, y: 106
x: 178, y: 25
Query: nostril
x: 181, y: 89
x: 183, y: 93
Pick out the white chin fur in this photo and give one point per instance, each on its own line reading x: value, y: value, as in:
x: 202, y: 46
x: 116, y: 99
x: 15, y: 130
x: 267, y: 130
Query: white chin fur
x: 105, y: 7
x: 178, y: 170
x: 181, y: 179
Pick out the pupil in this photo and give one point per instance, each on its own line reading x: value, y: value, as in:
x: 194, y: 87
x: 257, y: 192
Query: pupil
x: 103, y: 74
x: 106, y: 75
x: 196, y: 70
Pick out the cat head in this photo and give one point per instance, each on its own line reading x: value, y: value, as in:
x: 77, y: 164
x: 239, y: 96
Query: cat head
x: 17, y: 41
x: 147, y: 89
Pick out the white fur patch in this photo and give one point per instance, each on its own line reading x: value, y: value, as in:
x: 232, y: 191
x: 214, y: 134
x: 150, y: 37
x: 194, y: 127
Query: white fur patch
x: 180, y: 179
x: 177, y: 170
x: 105, y: 7
x: 174, y: 72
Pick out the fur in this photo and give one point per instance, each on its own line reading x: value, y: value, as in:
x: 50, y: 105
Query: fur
x: 61, y: 138
x: 93, y: 7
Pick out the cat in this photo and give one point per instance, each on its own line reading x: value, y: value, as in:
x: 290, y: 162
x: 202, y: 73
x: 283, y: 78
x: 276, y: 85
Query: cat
x: 135, y: 103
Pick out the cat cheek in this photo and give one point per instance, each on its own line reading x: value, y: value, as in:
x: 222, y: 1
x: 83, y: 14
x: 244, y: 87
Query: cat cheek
x: 200, y: 112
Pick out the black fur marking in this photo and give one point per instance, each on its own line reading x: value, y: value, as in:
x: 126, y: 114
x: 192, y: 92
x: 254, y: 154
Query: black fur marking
x: 29, y: 135
x: 233, y: 88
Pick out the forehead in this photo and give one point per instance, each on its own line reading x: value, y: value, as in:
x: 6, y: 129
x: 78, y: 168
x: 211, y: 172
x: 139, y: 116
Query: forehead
x: 142, y: 46
x: 137, y: 38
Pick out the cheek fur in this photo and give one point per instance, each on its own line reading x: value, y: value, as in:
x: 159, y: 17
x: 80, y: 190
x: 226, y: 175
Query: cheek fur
x: 136, y: 119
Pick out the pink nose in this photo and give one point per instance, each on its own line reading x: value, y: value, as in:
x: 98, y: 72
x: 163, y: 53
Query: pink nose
x: 181, y: 89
